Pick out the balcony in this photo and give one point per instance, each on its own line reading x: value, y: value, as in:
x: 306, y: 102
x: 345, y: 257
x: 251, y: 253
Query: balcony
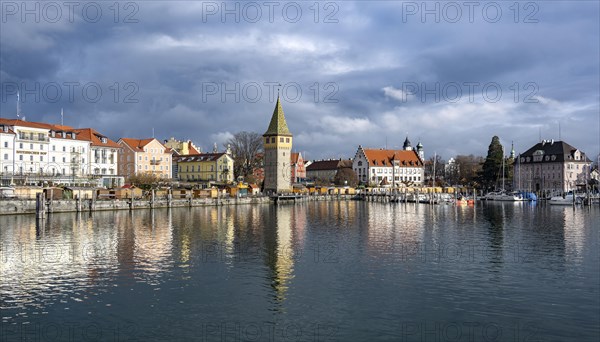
x: 29, y: 138
x: 155, y: 162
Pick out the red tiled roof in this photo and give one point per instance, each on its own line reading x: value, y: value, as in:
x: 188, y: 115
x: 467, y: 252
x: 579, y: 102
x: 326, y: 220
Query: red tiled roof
x: 192, y: 149
x: 94, y: 137
x: 18, y: 122
x: 137, y: 144
x: 295, y: 156
x: 385, y: 157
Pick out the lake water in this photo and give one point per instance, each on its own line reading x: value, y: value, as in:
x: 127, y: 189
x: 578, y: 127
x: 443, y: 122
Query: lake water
x: 318, y: 271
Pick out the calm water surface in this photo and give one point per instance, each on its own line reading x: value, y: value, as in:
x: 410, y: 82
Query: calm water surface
x: 326, y: 271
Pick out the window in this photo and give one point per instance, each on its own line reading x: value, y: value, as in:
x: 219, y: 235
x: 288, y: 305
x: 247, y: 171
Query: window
x: 53, y: 148
x: 42, y: 147
x: 20, y: 145
x: 31, y: 146
x: 41, y: 158
x: 30, y: 158
x: 64, y: 160
x: 6, y: 144
x: 53, y: 159
x: 281, y: 139
x: 64, y: 149
x: 5, y: 156
x: 287, y: 140
x: 21, y: 157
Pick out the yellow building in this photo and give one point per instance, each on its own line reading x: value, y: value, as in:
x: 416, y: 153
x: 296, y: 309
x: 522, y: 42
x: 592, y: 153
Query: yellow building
x: 183, y: 148
x: 205, y: 167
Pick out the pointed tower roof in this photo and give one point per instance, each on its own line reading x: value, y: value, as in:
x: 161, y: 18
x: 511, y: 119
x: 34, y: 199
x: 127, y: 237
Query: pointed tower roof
x: 512, y: 150
x: 278, y: 125
x: 406, y: 143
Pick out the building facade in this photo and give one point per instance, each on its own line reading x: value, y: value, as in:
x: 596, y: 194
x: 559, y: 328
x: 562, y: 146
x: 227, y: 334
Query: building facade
x: 144, y: 156
x: 205, y: 167
x: 379, y: 167
x: 324, y: 170
x: 55, y: 153
x: 183, y: 148
x: 298, y: 168
x: 277, y: 142
x: 551, y: 167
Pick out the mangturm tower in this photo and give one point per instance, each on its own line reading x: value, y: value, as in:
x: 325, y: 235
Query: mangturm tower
x: 278, y: 148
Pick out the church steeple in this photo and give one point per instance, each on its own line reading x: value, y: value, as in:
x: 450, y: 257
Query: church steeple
x: 512, y: 150
x: 407, y: 146
x: 278, y: 125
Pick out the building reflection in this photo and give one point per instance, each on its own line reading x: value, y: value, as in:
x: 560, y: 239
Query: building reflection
x: 574, y: 232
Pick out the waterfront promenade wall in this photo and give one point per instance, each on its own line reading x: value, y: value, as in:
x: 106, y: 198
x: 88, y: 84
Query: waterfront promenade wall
x: 28, y: 206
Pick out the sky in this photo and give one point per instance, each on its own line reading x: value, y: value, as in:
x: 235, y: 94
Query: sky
x: 448, y: 74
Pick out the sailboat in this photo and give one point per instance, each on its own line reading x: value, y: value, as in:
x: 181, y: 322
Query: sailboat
x: 503, y: 195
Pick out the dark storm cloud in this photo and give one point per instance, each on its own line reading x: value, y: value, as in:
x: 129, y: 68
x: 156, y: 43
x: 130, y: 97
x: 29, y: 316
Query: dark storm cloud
x: 157, y: 73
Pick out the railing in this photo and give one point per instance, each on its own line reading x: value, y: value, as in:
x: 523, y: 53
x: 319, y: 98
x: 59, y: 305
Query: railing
x: 155, y: 162
x: 36, y: 139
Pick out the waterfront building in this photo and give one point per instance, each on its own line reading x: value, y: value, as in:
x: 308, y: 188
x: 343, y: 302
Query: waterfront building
x: 277, y: 142
x: 144, y: 156
x: 407, y: 145
x: 377, y: 167
x: 36, y: 151
x: 421, y: 151
x: 103, y: 156
x: 205, y: 167
x: 7, y: 149
x: 183, y: 148
x: 325, y: 170
x: 551, y: 167
x: 298, y: 168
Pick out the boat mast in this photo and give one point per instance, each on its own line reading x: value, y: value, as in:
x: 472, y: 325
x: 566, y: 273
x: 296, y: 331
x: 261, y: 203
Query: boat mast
x: 502, y: 168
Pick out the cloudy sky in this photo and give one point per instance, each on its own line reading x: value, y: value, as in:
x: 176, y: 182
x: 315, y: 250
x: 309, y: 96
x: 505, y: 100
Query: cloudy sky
x: 450, y: 75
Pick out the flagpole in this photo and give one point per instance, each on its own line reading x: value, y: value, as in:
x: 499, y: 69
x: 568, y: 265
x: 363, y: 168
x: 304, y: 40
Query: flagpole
x: 18, y: 104
x: 62, y: 116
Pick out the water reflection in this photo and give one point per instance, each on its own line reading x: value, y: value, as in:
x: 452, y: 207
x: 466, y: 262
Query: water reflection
x: 365, y: 266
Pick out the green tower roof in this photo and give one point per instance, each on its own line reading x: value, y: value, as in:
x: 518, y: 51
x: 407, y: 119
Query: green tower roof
x: 278, y: 126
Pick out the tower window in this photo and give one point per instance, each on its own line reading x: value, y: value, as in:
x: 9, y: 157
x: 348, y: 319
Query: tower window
x: 287, y: 140
x: 273, y: 139
x: 280, y: 139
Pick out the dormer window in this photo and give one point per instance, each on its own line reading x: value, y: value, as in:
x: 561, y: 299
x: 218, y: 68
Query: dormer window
x: 64, y: 134
x: 104, y: 140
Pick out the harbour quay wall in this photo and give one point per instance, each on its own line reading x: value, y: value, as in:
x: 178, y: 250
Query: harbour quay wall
x: 28, y: 206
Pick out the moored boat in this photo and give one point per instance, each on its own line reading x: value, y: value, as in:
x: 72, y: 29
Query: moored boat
x: 567, y: 199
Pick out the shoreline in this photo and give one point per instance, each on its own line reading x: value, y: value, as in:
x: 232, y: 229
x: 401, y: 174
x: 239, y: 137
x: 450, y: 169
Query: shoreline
x: 28, y: 206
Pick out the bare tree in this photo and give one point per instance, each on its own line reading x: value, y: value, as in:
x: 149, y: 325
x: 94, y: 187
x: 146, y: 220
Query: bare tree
x: 246, y: 148
x: 430, y: 178
x: 468, y: 169
x: 346, y: 176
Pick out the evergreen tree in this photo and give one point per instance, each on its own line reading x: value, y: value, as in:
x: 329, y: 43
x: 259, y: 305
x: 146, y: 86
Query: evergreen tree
x: 492, y: 166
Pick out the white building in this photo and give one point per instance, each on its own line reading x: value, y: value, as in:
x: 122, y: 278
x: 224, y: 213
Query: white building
x: 377, y: 167
x: 551, y: 167
x: 35, y: 151
x: 103, y: 156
